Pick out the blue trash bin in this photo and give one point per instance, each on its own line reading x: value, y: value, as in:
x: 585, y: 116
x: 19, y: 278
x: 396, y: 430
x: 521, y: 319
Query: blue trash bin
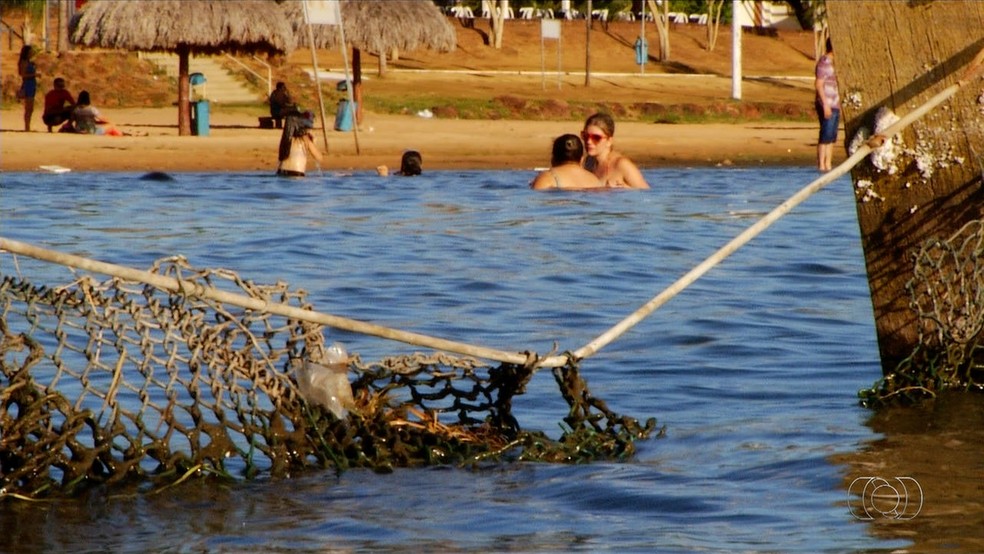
x: 345, y: 116
x: 199, y: 118
x: 641, y: 51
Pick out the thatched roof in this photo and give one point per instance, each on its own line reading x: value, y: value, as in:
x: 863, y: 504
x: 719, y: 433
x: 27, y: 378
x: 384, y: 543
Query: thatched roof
x: 206, y: 27
x: 381, y: 25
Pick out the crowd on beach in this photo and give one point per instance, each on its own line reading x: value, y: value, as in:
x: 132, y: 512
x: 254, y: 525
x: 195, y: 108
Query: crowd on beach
x: 585, y: 161
x: 61, y: 109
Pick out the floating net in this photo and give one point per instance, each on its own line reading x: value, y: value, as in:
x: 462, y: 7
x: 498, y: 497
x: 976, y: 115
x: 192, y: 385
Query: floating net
x: 947, y: 296
x: 119, y: 381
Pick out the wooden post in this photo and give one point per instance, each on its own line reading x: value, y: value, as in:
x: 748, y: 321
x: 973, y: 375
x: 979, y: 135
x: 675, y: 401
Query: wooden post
x: 896, y: 55
x: 587, y: 46
x: 184, y: 108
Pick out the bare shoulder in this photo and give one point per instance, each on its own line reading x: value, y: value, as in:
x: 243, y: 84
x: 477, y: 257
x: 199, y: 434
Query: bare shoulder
x: 629, y: 174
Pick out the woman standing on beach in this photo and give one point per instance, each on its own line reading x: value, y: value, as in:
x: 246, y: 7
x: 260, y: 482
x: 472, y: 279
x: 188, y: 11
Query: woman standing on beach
x: 828, y: 108
x: 611, y: 167
x: 29, y: 82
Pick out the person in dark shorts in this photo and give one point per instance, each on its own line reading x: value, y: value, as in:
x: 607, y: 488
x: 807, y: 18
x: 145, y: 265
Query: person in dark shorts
x: 828, y: 108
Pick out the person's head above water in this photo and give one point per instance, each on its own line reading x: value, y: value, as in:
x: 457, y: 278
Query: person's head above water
x: 603, y: 122
x: 567, y: 149
x: 411, y: 163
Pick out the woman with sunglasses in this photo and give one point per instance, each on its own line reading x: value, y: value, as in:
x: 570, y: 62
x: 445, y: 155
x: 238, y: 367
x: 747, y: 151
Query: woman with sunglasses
x: 565, y: 171
x: 611, y: 167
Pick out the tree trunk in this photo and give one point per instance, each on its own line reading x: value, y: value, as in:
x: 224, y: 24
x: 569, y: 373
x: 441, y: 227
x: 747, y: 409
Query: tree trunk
x: 898, y: 55
x: 357, y: 84
x: 803, y: 12
x: 661, y: 16
x: 714, y: 9
x: 184, y: 108
x: 497, y: 20
x: 63, y: 20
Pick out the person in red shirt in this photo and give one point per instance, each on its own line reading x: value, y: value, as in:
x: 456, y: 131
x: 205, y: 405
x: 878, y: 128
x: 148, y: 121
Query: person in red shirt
x: 58, y: 105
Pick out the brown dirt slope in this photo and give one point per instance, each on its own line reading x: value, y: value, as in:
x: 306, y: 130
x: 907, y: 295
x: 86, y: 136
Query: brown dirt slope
x: 477, y: 81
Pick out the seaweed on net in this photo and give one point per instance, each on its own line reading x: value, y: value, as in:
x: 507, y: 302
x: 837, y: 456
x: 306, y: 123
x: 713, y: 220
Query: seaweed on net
x: 947, y: 297
x: 119, y: 382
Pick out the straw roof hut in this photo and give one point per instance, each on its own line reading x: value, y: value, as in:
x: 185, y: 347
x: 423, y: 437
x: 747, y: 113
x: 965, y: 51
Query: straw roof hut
x: 380, y: 26
x: 184, y: 27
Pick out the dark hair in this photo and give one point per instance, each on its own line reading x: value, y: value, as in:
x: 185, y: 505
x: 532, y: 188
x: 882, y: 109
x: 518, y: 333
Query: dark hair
x: 59, y: 81
x: 411, y: 163
x: 280, y: 85
x: 296, y: 125
x: 602, y: 121
x: 25, y: 52
x: 567, y: 148
x: 84, y: 99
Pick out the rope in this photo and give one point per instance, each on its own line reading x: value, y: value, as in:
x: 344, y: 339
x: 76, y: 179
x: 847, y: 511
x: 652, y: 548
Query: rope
x: 197, y: 290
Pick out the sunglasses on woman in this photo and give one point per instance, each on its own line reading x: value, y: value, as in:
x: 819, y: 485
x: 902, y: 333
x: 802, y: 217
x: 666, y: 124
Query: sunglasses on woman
x: 593, y: 137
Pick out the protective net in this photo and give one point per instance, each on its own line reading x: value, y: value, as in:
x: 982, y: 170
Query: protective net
x: 947, y: 296
x: 117, y: 381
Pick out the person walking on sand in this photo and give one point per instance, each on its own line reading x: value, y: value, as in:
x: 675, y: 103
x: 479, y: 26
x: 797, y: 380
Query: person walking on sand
x: 296, y: 142
x: 828, y: 106
x: 565, y: 171
x: 610, y: 166
x: 29, y: 82
x: 58, y: 105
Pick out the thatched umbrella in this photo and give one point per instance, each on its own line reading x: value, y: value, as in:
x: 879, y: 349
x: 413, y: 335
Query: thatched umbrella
x: 185, y: 27
x: 381, y: 27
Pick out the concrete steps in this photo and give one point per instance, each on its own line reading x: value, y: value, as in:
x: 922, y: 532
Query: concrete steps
x: 221, y: 87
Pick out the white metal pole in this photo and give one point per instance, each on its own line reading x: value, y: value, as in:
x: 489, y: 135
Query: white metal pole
x: 317, y: 77
x: 735, y: 50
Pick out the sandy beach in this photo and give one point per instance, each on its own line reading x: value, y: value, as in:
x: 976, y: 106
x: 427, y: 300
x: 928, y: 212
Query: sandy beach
x: 236, y: 143
x: 777, y: 79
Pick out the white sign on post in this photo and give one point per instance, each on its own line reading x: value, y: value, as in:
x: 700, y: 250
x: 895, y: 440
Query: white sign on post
x: 322, y: 12
x: 549, y: 29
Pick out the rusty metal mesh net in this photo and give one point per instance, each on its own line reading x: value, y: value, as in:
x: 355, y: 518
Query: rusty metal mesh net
x: 947, y: 297
x: 114, y: 381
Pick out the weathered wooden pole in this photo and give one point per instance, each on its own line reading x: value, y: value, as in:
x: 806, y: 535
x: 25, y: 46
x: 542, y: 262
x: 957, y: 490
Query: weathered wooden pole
x: 896, y: 55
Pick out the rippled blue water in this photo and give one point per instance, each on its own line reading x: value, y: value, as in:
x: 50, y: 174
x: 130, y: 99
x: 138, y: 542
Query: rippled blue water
x: 753, y: 369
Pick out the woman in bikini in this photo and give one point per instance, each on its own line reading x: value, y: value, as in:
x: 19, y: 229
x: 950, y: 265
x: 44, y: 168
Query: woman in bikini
x: 609, y: 166
x: 565, y: 170
x: 296, y: 142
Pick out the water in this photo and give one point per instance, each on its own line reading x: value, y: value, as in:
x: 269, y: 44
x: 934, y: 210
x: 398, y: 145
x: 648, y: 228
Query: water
x: 754, y: 369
